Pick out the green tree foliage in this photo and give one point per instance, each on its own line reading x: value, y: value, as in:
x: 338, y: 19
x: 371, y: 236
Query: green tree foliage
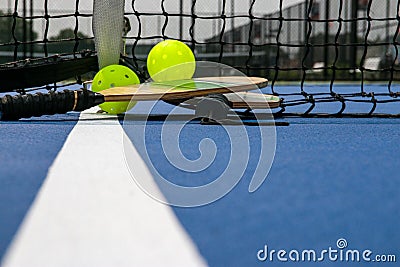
x: 64, y: 42
x: 68, y: 34
x: 6, y: 32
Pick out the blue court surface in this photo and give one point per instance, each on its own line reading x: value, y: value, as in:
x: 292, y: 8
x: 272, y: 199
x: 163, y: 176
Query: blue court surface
x: 68, y: 198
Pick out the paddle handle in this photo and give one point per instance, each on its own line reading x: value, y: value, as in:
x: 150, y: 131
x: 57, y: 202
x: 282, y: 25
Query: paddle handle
x: 38, y: 104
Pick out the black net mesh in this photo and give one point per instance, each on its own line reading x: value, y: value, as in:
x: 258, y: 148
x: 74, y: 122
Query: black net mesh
x: 307, y: 49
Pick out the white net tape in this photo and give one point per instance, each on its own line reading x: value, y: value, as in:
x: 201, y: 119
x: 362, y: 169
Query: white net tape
x: 108, y: 23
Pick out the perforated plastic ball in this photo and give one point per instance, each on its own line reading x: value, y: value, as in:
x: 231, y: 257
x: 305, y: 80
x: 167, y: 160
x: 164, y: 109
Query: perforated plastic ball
x: 115, y: 76
x: 171, y: 60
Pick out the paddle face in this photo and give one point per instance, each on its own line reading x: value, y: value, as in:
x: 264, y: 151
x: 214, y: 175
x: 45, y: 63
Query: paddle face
x: 184, y: 89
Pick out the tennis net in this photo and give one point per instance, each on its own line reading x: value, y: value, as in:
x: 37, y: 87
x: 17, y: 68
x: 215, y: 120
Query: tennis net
x: 314, y: 46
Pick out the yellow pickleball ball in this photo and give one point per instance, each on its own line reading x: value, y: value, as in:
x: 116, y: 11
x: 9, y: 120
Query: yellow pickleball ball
x: 114, y: 76
x: 171, y: 60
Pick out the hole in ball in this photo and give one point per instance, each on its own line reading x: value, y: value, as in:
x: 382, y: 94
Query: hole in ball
x: 112, y: 85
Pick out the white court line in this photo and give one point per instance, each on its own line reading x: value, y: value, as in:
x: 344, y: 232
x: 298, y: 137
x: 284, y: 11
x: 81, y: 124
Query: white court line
x: 89, y: 211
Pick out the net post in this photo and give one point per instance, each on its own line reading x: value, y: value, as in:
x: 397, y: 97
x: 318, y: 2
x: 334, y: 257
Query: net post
x: 326, y: 47
x: 181, y: 19
x: 31, y: 29
x: 387, y: 26
x: 24, y: 30
x: 233, y: 27
x: 354, y: 28
x: 306, y: 25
